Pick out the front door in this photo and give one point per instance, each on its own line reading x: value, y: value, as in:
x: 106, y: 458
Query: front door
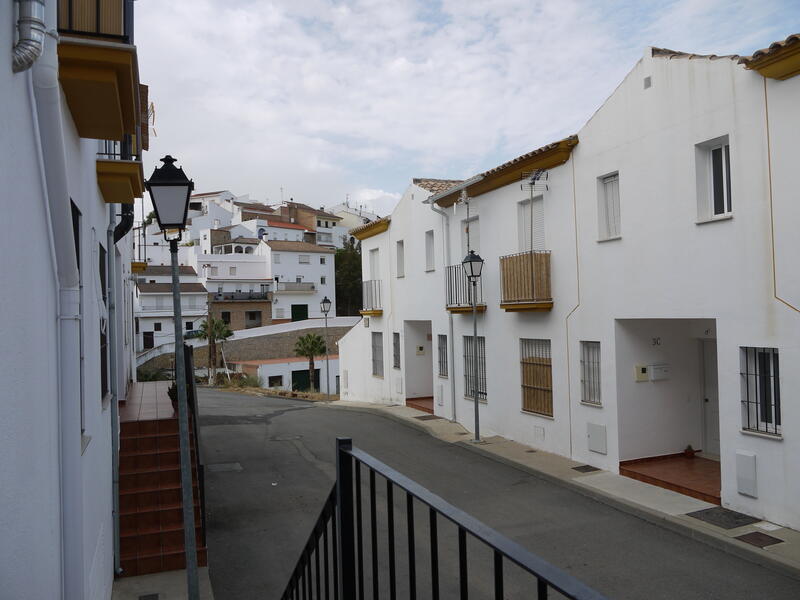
x: 710, y: 398
x: 147, y: 339
x: 299, y: 312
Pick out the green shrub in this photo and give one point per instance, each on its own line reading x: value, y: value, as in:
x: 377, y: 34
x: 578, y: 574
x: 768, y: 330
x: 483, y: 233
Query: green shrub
x: 143, y: 374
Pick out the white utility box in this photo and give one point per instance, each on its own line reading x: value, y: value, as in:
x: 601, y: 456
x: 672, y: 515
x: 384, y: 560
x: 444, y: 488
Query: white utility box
x: 659, y: 372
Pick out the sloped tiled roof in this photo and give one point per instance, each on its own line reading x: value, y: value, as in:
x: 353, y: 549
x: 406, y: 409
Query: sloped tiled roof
x: 435, y: 185
x: 244, y: 240
x: 167, y: 270
x: 286, y: 246
x: 316, y: 211
x: 667, y: 53
x: 773, y: 48
x: 372, y: 228
x: 573, y: 139
x: 254, y: 206
x: 166, y: 288
x: 208, y: 193
x: 284, y: 225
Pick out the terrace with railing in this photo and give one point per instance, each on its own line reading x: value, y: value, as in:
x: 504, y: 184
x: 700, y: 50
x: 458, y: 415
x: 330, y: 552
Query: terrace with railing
x: 104, y: 19
x: 371, y: 298
x: 525, y: 281
x: 458, y: 291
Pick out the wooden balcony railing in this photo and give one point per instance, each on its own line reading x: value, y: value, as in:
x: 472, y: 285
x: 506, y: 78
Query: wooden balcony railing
x: 458, y: 290
x: 371, y: 298
x: 105, y: 19
x: 525, y: 281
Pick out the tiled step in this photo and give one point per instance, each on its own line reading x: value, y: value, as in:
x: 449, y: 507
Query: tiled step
x: 153, y: 521
x: 162, y: 561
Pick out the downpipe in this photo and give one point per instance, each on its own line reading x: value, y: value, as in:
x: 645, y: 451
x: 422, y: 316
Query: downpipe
x: 31, y: 33
x: 111, y: 266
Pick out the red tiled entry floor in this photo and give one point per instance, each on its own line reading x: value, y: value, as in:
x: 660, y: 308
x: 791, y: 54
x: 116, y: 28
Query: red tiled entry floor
x: 423, y: 404
x: 696, y: 477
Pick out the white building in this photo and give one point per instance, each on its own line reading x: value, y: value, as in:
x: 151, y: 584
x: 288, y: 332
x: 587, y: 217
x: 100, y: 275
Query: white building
x: 352, y: 216
x: 66, y: 317
x: 303, y: 275
x: 291, y: 373
x: 635, y: 300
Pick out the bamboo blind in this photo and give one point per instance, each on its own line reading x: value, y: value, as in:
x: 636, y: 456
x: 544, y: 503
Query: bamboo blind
x: 525, y: 277
x: 105, y: 17
x: 537, y: 376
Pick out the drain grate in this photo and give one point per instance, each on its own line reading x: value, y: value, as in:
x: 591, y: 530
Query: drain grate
x: 585, y: 469
x: 222, y: 467
x: 149, y: 597
x: 427, y: 417
x: 530, y: 451
x: 756, y: 538
x: 724, y: 518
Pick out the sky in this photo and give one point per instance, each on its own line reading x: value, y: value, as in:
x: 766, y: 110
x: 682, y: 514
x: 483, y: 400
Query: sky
x: 320, y: 100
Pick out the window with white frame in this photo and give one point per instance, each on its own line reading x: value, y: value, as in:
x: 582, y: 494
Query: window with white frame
x: 396, y: 350
x: 231, y: 270
x: 377, y: 354
x: 537, y: 376
x: 442, y: 348
x: 214, y: 271
x: 761, y: 390
x: 609, y: 226
x: 401, y: 259
x: 304, y: 259
x: 374, y: 264
x: 430, y: 257
x: 322, y: 260
x: 280, y: 313
x: 276, y: 259
x: 473, y: 380
x: 590, y: 372
x: 322, y: 280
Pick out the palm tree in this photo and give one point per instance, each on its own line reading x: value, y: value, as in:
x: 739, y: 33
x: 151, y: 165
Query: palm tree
x: 216, y: 330
x: 310, y: 345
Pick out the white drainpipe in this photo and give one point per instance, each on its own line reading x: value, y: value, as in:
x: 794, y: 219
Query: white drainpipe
x: 46, y: 115
x: 31, y: 32
x: 111, y: 262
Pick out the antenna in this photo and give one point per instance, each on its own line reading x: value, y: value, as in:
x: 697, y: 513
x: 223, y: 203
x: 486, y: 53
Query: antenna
x: 281, y: 194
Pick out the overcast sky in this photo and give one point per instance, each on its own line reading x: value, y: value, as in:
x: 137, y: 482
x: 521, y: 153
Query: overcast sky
x: 325, y: 99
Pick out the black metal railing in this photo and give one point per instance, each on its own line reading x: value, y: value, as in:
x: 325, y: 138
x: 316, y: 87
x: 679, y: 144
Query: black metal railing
x: 223, y: 296
x: 458, y: 288
x: 336, y: 562
x: 108, y: 19
x: 371, y: 295
x: 115, y: 150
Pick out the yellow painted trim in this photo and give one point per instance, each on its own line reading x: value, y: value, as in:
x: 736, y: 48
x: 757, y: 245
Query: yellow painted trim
x: 780, y: 64
x: 100, y: 82
x: 372, y: 313
x: 526, y: 306
x: 371, y: 229
x: 513, y: 173
x: 120, y: 181
x: 138, y: 267
x: 466, y: 309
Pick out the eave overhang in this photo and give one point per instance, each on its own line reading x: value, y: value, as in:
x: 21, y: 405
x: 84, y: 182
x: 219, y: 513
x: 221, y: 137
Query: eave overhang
x: 100, y: 82
x: 363, y: 232
x: 120, y: 181
x: 780, y: 61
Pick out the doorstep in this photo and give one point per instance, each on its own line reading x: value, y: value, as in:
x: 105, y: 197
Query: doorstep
x: 168, y: 585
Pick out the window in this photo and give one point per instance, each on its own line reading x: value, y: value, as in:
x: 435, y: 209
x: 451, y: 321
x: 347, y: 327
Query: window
x: 156, y: 326
x: 322, y: 280
x: 231, y: 270
x: 76, y: 234
x: 275, y: 381
x: 305, y: 259
x: 276, y: 258
x: 280, y: 313
x: 530, y: 224
x: 590, y: 372
x: 189, y: 325
x: 322, y: 260
x: 430, y: 257
x: 401, y: 259
x: 713, y: 172
x: 215, y: 270
x: 537, y: 376
x: 103, y: 324
x: 396, y: 350
x: 608, y: 207
x: 761, y: 391
x: 442, y: 347
x: 470, y: 378
x: 377, y: 354
x: 205, y: 236
x: 470, y: 235
x: 219, y: 289
x: 721, y: 180
x: 226, y: 317
x: 374, y: 264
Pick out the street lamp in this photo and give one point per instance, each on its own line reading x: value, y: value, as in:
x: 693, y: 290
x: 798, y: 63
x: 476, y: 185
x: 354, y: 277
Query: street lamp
x: 325, y: 306
x: 473, y: 265
x: 169, y: 190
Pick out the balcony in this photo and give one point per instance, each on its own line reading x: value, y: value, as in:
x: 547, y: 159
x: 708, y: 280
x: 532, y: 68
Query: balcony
x: 240, y: 296
x: 298, y: 287
x: 371, y: 298
x: 458, y: 290
x: 525, y: 281
x: 120, y: 175
x: 98, y: 68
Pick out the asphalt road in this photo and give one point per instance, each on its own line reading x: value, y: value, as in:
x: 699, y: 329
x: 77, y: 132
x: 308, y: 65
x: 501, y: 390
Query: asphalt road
x: 259, y: 517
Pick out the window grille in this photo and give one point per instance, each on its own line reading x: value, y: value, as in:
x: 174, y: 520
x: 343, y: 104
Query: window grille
x: 377, y: 353
x: 590, y: 372
x: 761, y: 392
x: 442, y: 347
x: 396, y: 350
x: 470, y: 378
x: 537, y: 376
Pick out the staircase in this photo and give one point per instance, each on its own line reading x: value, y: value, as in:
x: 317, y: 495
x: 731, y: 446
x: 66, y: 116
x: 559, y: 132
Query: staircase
x: 151, y: 509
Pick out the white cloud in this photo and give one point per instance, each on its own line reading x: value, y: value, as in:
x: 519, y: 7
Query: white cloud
x: 325, y: 98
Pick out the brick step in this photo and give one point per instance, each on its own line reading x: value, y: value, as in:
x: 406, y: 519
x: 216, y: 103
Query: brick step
x: 146, y: 463
x: 156, y: 563
x: 153, y: 522
x: 133, y: 502
x: 160, y: 426
x: 153, y: 480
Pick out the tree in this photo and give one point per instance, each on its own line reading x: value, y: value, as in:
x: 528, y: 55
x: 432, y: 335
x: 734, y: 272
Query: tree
x: 149, y: 218
x: 216, y: 330
x: 309, y: 346
x: 348, y: 279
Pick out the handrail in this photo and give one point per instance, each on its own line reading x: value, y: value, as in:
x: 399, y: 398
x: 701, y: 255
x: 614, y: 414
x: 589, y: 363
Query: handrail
x: 343, y: 511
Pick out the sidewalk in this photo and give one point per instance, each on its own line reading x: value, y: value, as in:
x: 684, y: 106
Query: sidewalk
x: 761, y: 542
x: 169, y: 585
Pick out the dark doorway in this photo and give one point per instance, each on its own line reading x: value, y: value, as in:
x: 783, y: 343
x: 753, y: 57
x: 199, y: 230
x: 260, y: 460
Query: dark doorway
x: 147, y: 338
x: 300, y: 380
x: 299, y: 312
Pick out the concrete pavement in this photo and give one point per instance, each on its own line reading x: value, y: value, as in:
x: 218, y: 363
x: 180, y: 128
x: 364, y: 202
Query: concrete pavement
x: 275, y: 466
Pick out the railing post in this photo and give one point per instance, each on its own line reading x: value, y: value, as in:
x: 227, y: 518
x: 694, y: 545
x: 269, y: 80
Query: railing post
x: 344, y: 518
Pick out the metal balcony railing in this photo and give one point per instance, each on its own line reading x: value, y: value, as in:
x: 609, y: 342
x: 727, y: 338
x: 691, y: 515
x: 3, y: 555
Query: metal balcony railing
x: 338, y: 562
x: 525, y: 277
x: 299, y: 286
x: 229, y: 296
x: 371, y: 295
x: 458, y: 288
x: 105, y: 19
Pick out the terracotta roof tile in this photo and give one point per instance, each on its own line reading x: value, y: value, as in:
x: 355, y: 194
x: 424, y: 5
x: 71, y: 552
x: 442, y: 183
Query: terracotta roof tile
x: 435, y: 185
x: 166, y: 288
x: 244, y: 240
x: 356, y: 230
x: 513, y: 161
x: 772, y: 49
x: 286, y: 246
x: 667, y: 53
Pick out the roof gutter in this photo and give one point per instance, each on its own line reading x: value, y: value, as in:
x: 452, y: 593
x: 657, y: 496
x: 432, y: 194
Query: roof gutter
x: 456, y: 188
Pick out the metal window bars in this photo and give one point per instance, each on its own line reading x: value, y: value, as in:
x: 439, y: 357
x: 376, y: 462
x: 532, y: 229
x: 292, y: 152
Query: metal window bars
x: 761, y: 392
x: 442, y: 348
x: 396, y: 350
x: 354, y: 552
x: 377, y: 353
x: 590, y: 372
x: 469, y: 375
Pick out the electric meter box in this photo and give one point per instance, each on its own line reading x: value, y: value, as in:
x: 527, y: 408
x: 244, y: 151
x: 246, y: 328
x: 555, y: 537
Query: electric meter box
x: 659, y: 372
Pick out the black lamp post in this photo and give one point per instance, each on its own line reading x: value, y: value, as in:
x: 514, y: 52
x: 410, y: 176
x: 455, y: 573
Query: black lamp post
x: 325, y: 306
x: 169, y: 190
x: 473, y: 265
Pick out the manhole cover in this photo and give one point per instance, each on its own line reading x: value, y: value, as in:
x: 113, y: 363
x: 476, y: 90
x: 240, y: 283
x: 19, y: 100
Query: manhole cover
x: 585, y: 468
x: 756, y: 538
x: 724, y: 518
x: 219, y: 467
x: 427, y: 417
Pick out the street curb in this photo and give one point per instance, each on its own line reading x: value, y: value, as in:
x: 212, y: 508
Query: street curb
x: 710, y: 538
x: 715, y: 540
